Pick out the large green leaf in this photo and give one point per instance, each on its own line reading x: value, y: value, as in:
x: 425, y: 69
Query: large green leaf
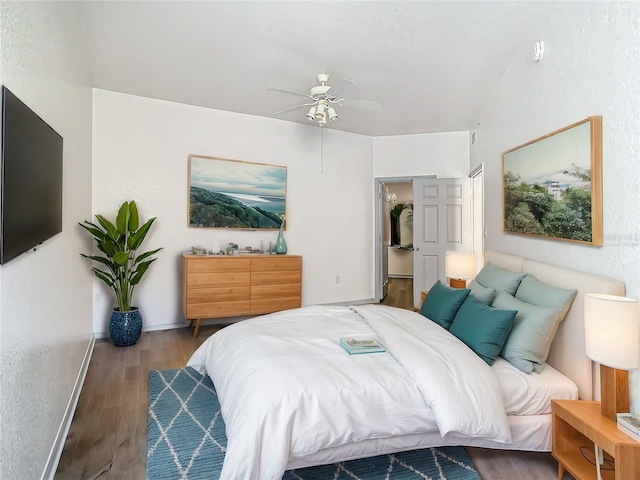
x: 133, y: 216
x: 136, y: 239
x: 93, y: 230
x: 105, y: 261
x: 105, y: 277
x: 142, y: 256
x: 111, y: 230
x: 121, y: 258
x: 122, y: 219
x: 140, y: 271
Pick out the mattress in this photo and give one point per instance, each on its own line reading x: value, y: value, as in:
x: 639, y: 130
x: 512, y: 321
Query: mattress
x: 530, y: 433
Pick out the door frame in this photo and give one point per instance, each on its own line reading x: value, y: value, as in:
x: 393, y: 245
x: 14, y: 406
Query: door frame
x: 377, y: 225
x: 477, y: 217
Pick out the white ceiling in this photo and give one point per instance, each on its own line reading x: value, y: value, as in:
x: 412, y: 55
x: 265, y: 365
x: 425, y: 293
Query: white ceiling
x: 431, y: 63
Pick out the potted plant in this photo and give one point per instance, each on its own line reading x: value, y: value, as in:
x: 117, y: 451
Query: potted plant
x: 121, y: 267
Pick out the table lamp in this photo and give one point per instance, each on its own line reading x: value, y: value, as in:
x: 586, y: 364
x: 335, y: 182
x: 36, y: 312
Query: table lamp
x: 611, y: 339
x: 458, y: 267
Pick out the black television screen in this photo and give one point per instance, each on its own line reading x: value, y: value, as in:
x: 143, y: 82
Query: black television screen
x: 31, y: 205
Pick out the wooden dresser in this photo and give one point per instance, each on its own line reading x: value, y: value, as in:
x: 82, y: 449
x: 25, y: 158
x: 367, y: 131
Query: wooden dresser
x: 216, y: 286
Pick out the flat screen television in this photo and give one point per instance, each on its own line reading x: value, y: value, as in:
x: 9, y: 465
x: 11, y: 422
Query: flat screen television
x: 31, y: 203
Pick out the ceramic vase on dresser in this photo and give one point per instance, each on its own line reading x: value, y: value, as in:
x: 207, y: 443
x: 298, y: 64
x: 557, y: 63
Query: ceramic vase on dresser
x: 281, y: 245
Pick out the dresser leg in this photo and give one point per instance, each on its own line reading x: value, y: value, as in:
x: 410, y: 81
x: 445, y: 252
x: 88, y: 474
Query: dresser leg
x: 560, y: 471
x: 197, y: 327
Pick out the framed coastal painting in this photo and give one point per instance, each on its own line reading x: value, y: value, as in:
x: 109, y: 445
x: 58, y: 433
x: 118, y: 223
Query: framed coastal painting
x: 552, y: 186
x: 227, y: 193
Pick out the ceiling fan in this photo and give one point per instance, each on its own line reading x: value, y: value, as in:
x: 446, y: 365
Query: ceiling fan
x: 321, y: 101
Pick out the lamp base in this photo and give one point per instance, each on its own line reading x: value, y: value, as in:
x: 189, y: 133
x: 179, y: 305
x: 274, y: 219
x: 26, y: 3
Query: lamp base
x: 457, y: 283
x: 614, y: 391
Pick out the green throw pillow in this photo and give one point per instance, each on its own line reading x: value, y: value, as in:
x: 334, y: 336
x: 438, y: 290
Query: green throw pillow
x: 534, y: 327
x: 485, y: 294
x: 483, y: 328
x: 442, y: 303
x: 494, y: 277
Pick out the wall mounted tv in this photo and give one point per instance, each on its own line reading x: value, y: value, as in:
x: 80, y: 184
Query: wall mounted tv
x: 31, y: 204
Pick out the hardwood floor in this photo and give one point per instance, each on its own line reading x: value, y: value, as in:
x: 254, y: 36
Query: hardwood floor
x: 109, y: 429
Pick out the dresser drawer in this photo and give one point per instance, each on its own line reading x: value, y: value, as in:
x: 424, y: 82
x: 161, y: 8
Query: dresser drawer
x: 218, y: 309
x: 217, y: 264
x: 261, y: 292
x: 275, y: 278
x: 276, y: 264
x: 218, y: 294
x: 196, y: 280
x: 269, y: 305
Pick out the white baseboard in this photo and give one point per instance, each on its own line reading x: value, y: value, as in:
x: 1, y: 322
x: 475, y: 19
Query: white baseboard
x: 56, y: 450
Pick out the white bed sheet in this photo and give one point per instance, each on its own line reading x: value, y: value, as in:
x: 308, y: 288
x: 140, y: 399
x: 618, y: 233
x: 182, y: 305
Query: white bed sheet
x: 531, y: 394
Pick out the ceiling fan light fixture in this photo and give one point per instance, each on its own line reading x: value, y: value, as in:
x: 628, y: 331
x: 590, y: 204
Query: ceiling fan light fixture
x: 322, y: 102
x: 320, y: 112
x: 311, y: 114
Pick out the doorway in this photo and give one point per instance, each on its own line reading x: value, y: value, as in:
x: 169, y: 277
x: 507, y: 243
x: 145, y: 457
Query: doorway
x: 394, y: 232
x: 448, y: 216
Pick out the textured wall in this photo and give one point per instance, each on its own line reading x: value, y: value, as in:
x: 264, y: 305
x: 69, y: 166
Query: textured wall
x: 591, y: 66
x: 45, y: 296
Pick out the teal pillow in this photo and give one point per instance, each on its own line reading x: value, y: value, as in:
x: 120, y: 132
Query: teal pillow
x: 485, y: 294
x: 533, y: 291
x: 442, y: 303
x: 483, y: 328
x: 534, y: 327
x: 494, y: 277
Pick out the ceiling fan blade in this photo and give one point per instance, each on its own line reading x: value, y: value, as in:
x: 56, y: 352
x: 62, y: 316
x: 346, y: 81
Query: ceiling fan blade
x: 293, y: 108
x: 289, y: 92
x: 362, y: 104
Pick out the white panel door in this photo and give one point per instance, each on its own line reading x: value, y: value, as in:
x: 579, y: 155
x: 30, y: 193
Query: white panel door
x: 441, y: 221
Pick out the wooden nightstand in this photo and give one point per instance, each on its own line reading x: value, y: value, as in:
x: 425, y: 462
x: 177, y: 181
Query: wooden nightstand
x: 423, y: 295
x: 578, y: 423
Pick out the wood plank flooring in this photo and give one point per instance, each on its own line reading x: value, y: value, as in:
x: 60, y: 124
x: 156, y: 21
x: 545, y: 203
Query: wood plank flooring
x: 109, y: 429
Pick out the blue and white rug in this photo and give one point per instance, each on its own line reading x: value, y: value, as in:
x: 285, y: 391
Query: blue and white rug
x: 186, y: 440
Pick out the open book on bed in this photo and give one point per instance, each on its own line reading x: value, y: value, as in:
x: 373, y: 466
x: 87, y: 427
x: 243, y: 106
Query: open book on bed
x: 358, y: 345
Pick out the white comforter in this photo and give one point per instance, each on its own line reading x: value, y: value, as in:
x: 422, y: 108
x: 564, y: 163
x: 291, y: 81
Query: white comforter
x: 287, y: 389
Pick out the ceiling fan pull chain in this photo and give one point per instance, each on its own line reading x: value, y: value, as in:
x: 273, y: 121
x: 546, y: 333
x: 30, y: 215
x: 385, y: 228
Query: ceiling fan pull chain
x: 321, y: 152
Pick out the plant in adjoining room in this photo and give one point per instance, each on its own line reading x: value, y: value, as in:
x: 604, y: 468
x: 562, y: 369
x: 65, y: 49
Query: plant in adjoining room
x: 122, y: 267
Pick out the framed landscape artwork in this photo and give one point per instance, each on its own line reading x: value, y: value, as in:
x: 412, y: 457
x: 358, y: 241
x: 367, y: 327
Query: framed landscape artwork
x: 552, y: 186
x: 235, y: 194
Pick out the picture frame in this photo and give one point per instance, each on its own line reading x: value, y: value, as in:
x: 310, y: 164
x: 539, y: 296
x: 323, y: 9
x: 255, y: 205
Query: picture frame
x: 552, y: 186
x: 235, y: 194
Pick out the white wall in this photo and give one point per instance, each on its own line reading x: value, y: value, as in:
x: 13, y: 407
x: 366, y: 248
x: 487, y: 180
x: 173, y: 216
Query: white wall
x: 45, y: 296
x: 140, y: 150
x: 445, y: 155
x: 591, y: 66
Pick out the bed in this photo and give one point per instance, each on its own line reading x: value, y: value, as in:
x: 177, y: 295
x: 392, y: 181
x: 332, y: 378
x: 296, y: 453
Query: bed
x: 292, y: 397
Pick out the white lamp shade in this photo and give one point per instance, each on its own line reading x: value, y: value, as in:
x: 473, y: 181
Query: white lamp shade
x: 611, y: 330
x: 460, y: 265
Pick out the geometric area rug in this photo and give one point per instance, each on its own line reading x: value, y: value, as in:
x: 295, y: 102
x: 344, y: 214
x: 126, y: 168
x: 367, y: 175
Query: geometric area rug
x: 186, y: 440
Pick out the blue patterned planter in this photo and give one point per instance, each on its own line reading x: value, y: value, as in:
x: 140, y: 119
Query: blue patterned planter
x: 125, y: 327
